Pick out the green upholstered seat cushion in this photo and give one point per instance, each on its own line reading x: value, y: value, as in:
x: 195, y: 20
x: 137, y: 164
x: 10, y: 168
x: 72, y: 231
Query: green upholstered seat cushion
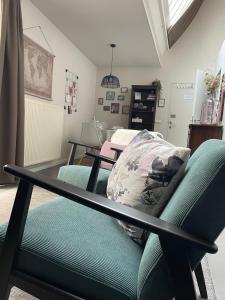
x: 80, y: 250
x: 79, y: 176
x: 198, y: 206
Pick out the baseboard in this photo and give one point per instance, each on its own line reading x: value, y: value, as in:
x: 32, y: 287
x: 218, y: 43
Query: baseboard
x: 47, y: 165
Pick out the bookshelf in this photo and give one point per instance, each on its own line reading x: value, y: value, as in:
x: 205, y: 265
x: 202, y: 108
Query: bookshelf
x: 143, y: 107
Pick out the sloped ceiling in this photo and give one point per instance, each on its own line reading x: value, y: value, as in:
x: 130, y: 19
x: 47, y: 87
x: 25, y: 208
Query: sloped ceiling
x: 93, y: 24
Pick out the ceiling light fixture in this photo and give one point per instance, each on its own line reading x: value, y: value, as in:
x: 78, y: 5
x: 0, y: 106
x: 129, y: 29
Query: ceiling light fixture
x: 111, y: 81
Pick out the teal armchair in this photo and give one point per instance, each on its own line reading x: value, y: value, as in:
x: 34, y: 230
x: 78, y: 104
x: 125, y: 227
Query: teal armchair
x: 73, y: 248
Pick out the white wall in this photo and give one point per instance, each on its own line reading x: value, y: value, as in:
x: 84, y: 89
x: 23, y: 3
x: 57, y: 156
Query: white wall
x: 68, y: 56
x: 197, y: 49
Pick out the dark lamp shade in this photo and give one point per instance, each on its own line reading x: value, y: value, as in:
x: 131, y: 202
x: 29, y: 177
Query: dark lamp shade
x: 110, y: 82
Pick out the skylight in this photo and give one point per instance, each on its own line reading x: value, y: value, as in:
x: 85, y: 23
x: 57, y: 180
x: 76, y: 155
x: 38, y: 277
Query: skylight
x: 176, y: 9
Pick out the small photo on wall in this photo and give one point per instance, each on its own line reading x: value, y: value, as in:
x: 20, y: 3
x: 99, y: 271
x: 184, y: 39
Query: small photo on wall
x: 100, y: 101
x: 110, y: 95
x: 124, y: 89
x: 125, y: 109
x: 106, y: 108
x: 120, y: 97
x: 115, y: 107
x: 161, y: 103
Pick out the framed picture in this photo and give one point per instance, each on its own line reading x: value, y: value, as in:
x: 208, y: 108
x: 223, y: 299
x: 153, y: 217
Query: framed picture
x: 115, y: 107
x: 121, y: 97
x: 125, y: 109
x: 161, y: 103
x: 110, y: 95
x: 38, y: 70
x: 124, y: 89
x: 106, y: 108
x: 100, y: 101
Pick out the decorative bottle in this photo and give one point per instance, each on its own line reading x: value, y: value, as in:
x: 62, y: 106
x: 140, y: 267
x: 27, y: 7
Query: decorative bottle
x: 207, y: 111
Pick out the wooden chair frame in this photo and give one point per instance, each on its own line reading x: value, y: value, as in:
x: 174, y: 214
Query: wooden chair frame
x: 175, y: 241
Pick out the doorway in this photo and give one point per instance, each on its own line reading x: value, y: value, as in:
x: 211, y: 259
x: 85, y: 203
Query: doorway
x: 180, y: 113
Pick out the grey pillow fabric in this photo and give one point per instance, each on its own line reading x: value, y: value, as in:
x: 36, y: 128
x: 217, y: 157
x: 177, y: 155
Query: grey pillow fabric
x: 145, y: 176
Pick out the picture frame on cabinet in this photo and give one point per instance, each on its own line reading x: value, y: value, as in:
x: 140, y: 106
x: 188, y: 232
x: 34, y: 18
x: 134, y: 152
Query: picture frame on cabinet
x: 137, y: 96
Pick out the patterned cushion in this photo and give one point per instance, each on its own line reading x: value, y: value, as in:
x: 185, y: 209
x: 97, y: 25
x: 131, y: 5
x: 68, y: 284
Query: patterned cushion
x: 145, y: 176
x: 125, y: 136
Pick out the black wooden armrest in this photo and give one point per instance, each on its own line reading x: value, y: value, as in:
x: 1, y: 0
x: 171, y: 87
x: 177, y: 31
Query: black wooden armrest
x: 74, y: 148
x: 83, y: 144
x: 118, y: 152
x: 116, y: 149
x: 102, y: 158
x: 164, y: 229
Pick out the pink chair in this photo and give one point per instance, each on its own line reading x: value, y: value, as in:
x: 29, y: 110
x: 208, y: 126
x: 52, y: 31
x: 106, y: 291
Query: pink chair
x: 110, y: 150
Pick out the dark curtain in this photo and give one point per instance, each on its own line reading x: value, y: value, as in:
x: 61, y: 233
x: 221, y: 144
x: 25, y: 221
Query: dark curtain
x: 11, y: 89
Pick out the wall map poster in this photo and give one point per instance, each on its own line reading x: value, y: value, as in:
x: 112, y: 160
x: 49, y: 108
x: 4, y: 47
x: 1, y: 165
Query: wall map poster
x: 38, y: 70
x: 71, y: 92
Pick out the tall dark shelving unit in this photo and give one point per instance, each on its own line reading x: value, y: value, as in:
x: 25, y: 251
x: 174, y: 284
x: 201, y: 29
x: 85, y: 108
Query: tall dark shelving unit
x: 143, y: 107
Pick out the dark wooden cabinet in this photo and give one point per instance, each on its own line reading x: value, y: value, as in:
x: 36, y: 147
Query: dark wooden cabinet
x: 143, y: 107
x: 199, y: 133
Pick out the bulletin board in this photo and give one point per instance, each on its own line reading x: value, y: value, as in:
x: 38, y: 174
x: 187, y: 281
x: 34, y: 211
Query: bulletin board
x: 71, y: 92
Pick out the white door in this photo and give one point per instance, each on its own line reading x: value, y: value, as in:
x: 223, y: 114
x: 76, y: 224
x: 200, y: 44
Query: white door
x: 180, y: 113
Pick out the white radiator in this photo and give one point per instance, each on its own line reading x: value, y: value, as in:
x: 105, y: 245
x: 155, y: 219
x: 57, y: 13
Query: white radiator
x: 43, y: 131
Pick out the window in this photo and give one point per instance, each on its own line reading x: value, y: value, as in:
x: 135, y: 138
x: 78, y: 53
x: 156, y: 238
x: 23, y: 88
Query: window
x: 179, y: 15
x: 176, y: 10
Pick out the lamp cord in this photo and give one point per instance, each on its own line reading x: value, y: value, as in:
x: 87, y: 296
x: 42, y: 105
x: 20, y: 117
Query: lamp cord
x: 111, y: 62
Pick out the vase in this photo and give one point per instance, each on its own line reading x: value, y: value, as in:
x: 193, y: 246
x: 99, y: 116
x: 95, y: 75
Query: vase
x: 207, y: 111
x: 216, y: 112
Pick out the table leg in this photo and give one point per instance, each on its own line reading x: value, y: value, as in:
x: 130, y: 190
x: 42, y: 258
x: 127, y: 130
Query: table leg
x: 72, y: 154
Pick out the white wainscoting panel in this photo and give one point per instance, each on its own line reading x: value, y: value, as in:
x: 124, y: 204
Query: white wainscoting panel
x: 43, y: 131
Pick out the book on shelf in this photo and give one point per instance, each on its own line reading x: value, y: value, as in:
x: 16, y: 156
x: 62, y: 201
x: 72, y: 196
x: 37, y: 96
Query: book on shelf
x: 137, y: 96
x: 136, y: 120
x: 151, y: 97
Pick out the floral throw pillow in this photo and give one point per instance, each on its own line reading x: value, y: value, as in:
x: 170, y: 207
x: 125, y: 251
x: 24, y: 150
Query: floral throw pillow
x: 145, y: 176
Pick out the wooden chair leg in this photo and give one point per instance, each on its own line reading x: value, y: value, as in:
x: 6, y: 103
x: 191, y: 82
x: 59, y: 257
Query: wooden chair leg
x: 14, y: 236
x: 94, y: 175
x: 72, y: 154
x: 201, y: 281
x: 180, y: 270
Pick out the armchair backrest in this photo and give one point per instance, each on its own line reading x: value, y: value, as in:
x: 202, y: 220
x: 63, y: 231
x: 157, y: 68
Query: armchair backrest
x: 108, y: 152
x: 125, y: 136
x: 198, y: 206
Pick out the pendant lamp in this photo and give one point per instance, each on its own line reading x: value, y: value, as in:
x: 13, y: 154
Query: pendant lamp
x: 111, y: 81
